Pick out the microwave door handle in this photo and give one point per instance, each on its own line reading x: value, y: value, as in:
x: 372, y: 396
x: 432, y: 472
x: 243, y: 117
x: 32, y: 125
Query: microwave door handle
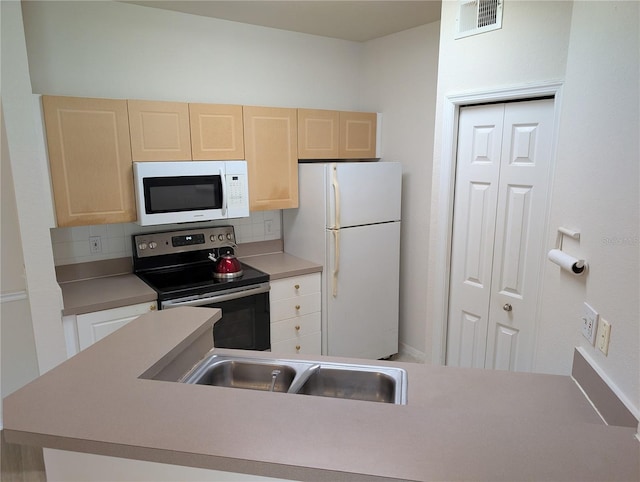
x: 224, y: 192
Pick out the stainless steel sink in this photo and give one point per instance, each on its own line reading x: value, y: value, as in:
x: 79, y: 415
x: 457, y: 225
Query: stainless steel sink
x: 339, y: 382
x: 325, y: 379
x: 254, y: 376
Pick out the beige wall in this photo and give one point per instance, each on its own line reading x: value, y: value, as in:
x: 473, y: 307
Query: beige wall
x: 592, y: 47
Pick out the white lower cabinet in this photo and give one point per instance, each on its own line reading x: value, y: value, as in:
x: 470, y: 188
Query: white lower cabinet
x: 295, y: 315
x: 84, y: 330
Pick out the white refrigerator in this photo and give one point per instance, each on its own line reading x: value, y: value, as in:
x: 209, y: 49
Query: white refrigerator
x: 348, y: 221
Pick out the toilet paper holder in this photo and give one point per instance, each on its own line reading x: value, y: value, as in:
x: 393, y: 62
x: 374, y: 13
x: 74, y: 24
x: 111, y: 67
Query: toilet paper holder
x: 575, y: 266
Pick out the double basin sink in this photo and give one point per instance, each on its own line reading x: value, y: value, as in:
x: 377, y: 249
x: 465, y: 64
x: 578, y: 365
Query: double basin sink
x: 324, y: 379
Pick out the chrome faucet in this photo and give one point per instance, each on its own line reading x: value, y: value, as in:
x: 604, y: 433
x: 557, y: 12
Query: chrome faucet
x: 274, y: 375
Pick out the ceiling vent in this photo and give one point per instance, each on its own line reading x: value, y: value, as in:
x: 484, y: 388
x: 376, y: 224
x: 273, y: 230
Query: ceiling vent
x: 478, y: 16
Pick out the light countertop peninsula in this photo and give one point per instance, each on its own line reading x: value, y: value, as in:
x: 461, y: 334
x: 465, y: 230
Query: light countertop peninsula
x: 458, y: 424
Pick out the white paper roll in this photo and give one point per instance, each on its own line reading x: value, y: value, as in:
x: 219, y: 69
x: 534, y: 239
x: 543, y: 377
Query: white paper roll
x: 575, y: 266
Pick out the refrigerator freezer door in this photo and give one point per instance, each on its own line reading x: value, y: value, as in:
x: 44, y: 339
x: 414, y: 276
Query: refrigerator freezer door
x: 362, y: 314
x: 368, y: 192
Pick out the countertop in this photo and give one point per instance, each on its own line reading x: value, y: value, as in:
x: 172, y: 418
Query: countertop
x: 458, y: 424
x: 86, y: 296
x: 105, y: 291
x: 281, y: 265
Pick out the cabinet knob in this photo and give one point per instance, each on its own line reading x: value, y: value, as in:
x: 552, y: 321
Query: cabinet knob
x: 297, y: 287
x: 297, y: 348
x: 153, y: 307
x: 507, y: 307
x: 297, y: 327
x: 297, y: 307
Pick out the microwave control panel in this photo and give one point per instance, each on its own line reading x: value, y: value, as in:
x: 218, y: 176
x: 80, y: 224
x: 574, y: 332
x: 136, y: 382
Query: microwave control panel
x: 237, y: 195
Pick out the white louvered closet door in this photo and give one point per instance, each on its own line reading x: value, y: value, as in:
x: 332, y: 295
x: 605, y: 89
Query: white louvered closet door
x: 502, y: 177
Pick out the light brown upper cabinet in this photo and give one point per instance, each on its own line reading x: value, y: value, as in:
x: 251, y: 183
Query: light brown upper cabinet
x: 327, y: 134
x: 271, y: 141
x: 318, y: 134
x: 216, y: 132
x: 358, y: 135
x: 90, y: 160
x: 159, y: 130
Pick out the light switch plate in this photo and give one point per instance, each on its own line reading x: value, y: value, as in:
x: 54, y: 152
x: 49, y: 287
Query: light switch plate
x: 604, y: 334
x: 589, y: 323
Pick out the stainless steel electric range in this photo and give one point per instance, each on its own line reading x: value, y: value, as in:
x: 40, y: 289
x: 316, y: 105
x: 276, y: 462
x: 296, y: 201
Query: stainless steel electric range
x: 180, y: 266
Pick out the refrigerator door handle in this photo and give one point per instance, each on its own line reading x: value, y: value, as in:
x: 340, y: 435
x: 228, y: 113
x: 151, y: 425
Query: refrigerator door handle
x: 336, y: 261
x: 336, y: 194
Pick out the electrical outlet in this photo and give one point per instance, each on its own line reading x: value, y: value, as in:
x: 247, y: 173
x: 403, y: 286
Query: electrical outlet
x: 589, y: 323
x: 95, y: 244
x: 604, y: 334
x: 268, y: 226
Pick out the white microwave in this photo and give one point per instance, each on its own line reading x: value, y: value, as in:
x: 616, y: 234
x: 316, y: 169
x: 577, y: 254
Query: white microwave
x: 188, y: 191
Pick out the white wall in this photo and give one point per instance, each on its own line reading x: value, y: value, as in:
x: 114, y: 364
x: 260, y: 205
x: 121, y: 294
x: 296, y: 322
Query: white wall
x: 399, y: 79
x: 597, y: 191
x: 112, y: 49
x: 18, y: 360
x: 593, y: 48
x: 25, y: 150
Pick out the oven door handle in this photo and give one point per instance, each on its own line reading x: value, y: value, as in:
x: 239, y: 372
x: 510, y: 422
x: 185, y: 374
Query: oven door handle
x: 262, y: 288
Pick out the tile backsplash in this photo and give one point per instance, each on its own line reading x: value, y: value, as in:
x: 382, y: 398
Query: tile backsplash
x: 73, y: 245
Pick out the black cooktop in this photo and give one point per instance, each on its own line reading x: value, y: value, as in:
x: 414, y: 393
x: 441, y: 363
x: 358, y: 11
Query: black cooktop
x: 178, y: 263
x: 197, y: 279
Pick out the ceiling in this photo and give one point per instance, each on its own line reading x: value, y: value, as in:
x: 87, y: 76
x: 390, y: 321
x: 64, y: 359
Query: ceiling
x: 357, y: 21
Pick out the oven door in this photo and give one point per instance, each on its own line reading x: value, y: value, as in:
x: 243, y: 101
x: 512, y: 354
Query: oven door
x: 245, y: 316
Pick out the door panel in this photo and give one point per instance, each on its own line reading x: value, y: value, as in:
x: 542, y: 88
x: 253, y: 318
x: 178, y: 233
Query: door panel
x: 369, y: 192
x: 476, y: 193
x: 498, y: 236
x: 362, y: 318
x: 519, y: 244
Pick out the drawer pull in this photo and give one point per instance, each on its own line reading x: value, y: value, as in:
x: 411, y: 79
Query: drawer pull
x: 297, y: 327
x: 297, y: 307
x: 297, y: 287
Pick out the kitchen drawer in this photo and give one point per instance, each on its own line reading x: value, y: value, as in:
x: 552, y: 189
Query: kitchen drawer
x: 295, y: 286
x: 308, y: 345
x: 293, y: 307
x: 295, y: 328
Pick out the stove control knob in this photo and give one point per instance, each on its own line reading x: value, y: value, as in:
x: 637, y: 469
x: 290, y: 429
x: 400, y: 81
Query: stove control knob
x: 229, y: 236
x: 220, y: 237
x: 153, y: 245
x: 212, y: 238
x: 142, y: 246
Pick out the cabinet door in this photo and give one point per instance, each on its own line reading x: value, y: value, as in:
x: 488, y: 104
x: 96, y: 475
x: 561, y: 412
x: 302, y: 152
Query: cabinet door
x: 358, y: 135
x: 318, y: 134
x: 95, y: 326
x: 90, y: 160
x: 271, y: 142
x: 216, y: 132
x: 159, y: 130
